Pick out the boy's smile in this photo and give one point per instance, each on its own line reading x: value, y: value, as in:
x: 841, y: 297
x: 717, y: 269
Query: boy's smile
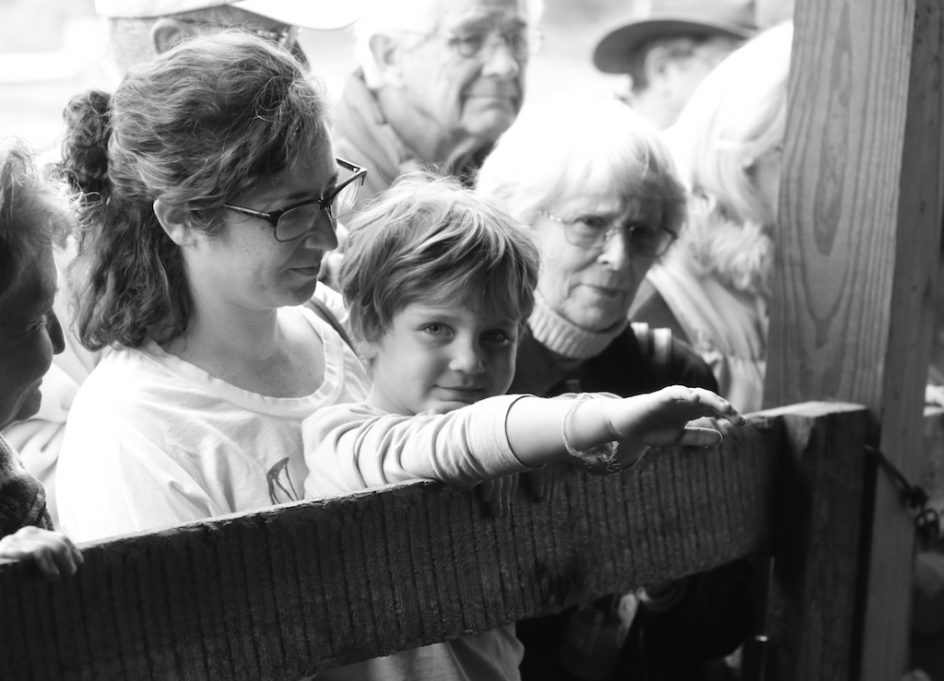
x: 438, y: 357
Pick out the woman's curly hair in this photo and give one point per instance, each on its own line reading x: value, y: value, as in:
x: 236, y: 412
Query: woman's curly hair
x: 194, y: 127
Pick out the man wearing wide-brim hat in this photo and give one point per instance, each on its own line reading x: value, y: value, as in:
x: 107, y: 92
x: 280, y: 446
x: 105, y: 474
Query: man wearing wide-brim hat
x: 669, y: 46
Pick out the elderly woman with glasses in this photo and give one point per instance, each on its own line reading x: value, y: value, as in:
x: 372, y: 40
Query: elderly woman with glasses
x: 599, y: 191
x: 208, y: 187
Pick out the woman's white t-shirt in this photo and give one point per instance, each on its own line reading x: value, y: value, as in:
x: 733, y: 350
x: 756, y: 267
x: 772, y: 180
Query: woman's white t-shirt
x: 153, y: 441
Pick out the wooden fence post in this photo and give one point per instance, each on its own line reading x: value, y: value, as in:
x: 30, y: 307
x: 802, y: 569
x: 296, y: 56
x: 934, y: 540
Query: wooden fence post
x: 820, y: 490
x: 859, y: 237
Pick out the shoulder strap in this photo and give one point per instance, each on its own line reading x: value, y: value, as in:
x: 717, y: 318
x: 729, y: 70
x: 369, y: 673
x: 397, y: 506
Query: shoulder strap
x: 323, y: 311
x: 657, y: 344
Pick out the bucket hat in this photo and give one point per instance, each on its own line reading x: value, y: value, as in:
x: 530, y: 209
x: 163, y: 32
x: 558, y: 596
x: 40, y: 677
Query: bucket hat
x: 670, y: 18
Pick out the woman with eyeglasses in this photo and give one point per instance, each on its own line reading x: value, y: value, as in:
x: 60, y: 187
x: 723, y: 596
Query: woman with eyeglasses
x: 208, y: 188
x: 599, y: 191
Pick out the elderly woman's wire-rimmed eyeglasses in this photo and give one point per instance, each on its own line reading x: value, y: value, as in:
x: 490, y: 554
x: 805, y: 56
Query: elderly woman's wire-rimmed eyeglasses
x: 595, y: 233
x: 298, y: 220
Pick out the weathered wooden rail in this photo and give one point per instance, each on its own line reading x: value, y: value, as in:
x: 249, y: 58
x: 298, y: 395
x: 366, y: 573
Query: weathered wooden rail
x: 282, y: 593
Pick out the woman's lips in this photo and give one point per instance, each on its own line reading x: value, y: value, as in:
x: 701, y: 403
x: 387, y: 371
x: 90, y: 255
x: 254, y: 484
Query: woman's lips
x: 308, y: 270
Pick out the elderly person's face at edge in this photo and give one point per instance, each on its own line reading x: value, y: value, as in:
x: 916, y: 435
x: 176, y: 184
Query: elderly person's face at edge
x: 477, y: 96
x: 29, y: 334
x: 592, y: 287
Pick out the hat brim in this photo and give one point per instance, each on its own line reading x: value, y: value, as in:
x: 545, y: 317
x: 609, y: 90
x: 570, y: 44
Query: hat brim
x: 317, y: 14
x: 612, y: 53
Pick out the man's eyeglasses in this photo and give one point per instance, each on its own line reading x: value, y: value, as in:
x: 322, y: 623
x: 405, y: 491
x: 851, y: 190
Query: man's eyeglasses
x: 296, y: 221
x: 594, y: 233
x: 522, y: 42
x: 283, y: 37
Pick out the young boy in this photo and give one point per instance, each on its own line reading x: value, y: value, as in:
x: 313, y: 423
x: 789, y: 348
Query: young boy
x: 439, y: 284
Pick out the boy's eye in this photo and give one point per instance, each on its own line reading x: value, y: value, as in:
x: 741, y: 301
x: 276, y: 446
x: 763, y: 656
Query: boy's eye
x: 497, y: 336
x: 436, y: 329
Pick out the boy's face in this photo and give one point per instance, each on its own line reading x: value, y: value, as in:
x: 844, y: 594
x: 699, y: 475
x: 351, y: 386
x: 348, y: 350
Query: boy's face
x: 438, y: 357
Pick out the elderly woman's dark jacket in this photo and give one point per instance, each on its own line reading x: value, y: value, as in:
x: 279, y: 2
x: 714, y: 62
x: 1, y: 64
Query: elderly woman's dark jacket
x: 714, y: 616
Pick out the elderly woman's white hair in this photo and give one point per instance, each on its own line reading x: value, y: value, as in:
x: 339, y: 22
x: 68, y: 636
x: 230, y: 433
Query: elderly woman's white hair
x: 735, y: 116
x: 557, y: 146
x: 409, y: 18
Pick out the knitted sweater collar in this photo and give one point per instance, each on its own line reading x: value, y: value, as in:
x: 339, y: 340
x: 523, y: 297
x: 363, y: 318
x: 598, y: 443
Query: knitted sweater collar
x: 564, y: 338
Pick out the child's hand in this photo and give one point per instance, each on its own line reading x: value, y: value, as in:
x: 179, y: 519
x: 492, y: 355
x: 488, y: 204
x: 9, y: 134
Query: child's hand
x: 52, y: 552
x: 498, y: 493
x: 661, y: 419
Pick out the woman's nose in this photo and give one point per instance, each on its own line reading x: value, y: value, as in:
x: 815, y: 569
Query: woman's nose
x: 617, y: 251
x: 54, y: 329
x: 324, y: 236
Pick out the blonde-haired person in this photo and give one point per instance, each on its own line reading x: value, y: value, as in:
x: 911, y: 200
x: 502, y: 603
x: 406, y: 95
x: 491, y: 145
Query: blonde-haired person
x: 596, y: 186
x: 712, y: 288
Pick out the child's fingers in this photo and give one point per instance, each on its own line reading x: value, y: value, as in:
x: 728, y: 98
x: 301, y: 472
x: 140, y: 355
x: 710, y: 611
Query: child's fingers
x: 699, y: 436
x: 722, y: 425
x: 46, y: 559
x: 76, y: 553
x: 705, y: 403
x: 64, y: 558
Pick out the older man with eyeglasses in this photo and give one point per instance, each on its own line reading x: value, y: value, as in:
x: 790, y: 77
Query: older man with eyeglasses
x: 438, y: 82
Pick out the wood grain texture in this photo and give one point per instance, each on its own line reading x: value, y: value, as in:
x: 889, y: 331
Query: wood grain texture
x: 817, y: 544
x: 285, y: 592
x: 859, y: 239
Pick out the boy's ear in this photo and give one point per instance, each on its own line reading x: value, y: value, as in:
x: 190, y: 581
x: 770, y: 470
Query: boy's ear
x: 175, y: 221
x: 366, y: 350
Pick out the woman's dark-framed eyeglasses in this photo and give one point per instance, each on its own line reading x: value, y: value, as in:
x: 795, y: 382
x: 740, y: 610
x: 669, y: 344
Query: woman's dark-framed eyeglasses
x: 294, y: 222
x: 595, y: 233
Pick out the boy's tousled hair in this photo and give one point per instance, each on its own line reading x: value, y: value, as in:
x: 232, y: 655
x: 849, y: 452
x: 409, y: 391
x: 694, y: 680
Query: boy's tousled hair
x: 430, y: 239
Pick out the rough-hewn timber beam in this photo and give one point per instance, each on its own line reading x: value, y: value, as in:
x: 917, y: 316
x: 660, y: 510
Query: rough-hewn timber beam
x: 276, y: 594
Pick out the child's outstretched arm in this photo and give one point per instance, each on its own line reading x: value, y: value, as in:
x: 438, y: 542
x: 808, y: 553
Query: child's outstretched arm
x: 541, y: 430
